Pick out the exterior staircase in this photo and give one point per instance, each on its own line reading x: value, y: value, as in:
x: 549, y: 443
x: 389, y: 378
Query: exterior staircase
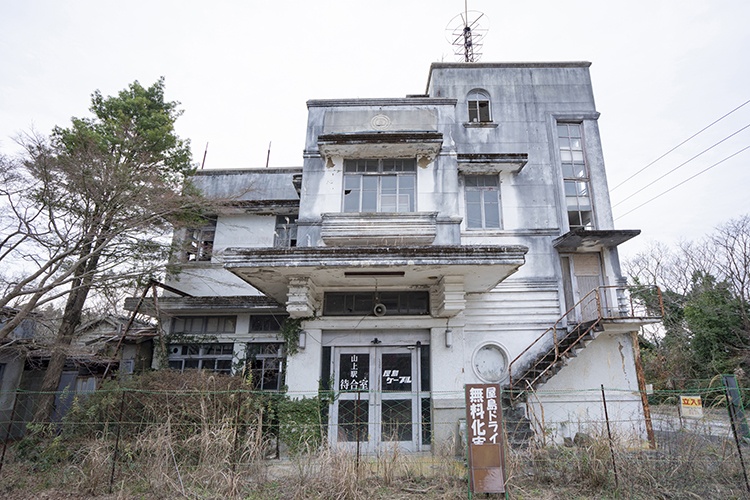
x: 560, y: 343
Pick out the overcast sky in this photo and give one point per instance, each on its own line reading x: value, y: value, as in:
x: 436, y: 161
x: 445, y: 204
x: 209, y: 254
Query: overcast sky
x: 243, y: 70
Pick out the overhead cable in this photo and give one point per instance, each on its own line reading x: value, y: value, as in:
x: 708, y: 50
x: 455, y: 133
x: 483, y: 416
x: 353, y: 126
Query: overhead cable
x: 683, y: 182
x: 680, y: 144
x: 683, y: 164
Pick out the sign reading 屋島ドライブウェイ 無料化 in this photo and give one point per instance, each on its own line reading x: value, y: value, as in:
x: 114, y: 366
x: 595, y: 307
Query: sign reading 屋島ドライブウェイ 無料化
x: 485, y: 438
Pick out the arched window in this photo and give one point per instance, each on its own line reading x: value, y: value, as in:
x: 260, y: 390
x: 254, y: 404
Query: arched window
x: 479, y: 106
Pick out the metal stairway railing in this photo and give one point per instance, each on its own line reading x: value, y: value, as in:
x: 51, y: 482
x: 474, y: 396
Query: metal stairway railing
x: 574, y: 329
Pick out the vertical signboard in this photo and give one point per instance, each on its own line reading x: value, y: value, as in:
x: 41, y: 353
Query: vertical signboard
x: 485, y: 435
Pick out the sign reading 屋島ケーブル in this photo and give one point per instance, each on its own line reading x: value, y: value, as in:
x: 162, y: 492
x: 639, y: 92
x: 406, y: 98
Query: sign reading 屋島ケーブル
x: 485, y: 438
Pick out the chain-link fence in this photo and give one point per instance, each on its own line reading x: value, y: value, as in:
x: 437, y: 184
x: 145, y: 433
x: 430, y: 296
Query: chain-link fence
x: 213, y: 433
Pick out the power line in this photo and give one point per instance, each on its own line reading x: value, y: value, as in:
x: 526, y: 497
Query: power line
x: 683, y: 182
x: 680, y: 144
x: 682, y: 164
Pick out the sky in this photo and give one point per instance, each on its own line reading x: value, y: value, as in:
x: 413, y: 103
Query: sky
x: 662, y: 70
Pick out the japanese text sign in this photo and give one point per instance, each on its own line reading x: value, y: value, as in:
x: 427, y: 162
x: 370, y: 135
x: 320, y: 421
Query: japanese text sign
x: 691, y: 407
x: 484, y: 418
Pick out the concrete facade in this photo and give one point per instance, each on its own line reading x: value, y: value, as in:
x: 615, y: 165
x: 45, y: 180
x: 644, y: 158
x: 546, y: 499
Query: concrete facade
x: 495, y: 208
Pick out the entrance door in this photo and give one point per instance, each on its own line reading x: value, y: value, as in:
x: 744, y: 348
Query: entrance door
x: 379, y: 400
x: 579, y: 280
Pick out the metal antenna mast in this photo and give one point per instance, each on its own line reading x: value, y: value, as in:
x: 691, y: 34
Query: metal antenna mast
x: 466, y: 32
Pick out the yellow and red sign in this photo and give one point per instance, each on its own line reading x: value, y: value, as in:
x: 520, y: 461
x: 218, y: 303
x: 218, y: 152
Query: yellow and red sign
x: 691, y: 407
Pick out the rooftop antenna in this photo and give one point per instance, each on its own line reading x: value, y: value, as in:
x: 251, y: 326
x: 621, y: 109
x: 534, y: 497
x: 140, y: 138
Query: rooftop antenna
x: 203, y: 163
x: 466, y: 32
x: 268, y: 156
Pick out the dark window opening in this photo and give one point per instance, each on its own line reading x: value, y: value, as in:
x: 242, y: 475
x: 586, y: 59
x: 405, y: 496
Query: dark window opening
x: 362, y: 303
x: 199, y: 244
x: 265, y: 363
x: 479, y: 106
x: 285, y: 235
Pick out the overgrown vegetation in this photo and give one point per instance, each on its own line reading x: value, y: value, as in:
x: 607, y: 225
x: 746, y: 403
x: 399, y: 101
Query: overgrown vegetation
x: 706, y: 289
x: 200, y: 435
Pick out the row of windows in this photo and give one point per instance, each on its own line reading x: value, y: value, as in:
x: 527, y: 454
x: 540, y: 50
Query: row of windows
x: 264, y: 362
x: 389, y: 185
x: 215, y: 325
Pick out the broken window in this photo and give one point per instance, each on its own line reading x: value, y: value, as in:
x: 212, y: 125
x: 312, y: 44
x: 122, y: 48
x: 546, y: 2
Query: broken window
x: 265, y: 362
x: 575, y: 176
x: 199, y: 244
x: 479, y: 106
x: 380, y: 185
x: 285, y: 234
x: 482, y: 194
x: 213, y: 357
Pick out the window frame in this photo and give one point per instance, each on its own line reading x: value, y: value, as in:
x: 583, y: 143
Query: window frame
x: 477, y: 101
x: 368, y: 175
x: 202, y: 354
x: 205, y: 325
x: 285, y: 231
x: 575, y: 175
x: 270, y: 358
x: 199, y: 241
x: 398, y: 303
x: 486, y: 198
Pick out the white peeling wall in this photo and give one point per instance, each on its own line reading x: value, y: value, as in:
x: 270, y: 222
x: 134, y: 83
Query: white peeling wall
x: 571, y: 401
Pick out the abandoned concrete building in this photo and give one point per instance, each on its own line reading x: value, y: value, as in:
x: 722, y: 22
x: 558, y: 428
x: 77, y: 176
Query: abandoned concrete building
x: 463, y: 235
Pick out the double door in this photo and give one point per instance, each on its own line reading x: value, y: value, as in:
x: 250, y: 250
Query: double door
x: 381, y: 398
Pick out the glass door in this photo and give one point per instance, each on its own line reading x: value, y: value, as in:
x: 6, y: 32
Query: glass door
x: 379, y: 401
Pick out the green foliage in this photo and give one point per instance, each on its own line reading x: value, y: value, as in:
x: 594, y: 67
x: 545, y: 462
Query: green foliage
x: 290, y: 330
x: 712, y: 315
x: 300, y: 425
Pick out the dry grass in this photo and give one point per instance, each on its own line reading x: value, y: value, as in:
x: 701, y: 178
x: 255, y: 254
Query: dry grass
x: 213, y: 443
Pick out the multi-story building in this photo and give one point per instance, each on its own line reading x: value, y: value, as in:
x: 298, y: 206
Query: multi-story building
x: 459, y: 236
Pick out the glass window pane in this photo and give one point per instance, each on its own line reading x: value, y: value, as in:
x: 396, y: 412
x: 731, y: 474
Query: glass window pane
x: 397, y: 420
x: 474, y: 215
x: 396, y: 375
x: 354, y: 372
x: 491, y: 211
x: 353, y: 418
x: 484, y: 111
x: 369, y: 193
x: 388, y: 184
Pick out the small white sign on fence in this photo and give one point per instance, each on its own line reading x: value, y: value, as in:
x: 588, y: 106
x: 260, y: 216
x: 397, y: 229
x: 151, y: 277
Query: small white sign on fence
x: 691, y: 407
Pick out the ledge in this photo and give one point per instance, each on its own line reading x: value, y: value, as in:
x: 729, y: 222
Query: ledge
x: 590, y: 240
x: 491, y: 163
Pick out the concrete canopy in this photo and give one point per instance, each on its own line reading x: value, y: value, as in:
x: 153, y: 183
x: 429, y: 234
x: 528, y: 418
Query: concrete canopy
x: 269, y: 270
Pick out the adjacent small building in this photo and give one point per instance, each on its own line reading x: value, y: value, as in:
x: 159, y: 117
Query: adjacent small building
x: 463, y: 235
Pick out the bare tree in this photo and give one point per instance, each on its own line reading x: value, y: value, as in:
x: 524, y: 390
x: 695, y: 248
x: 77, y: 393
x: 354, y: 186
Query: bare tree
x: 93, y: 205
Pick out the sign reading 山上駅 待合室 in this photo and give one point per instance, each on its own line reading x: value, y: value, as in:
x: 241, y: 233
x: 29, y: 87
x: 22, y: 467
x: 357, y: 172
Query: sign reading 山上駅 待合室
x: 485, y: 438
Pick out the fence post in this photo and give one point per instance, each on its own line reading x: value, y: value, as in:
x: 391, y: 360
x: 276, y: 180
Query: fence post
x: 356, y: 428
x: 609, y: 434
x: 735, y: 423
x: 9, y: 430
x: 117, y: 440
x: 237, y: 432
